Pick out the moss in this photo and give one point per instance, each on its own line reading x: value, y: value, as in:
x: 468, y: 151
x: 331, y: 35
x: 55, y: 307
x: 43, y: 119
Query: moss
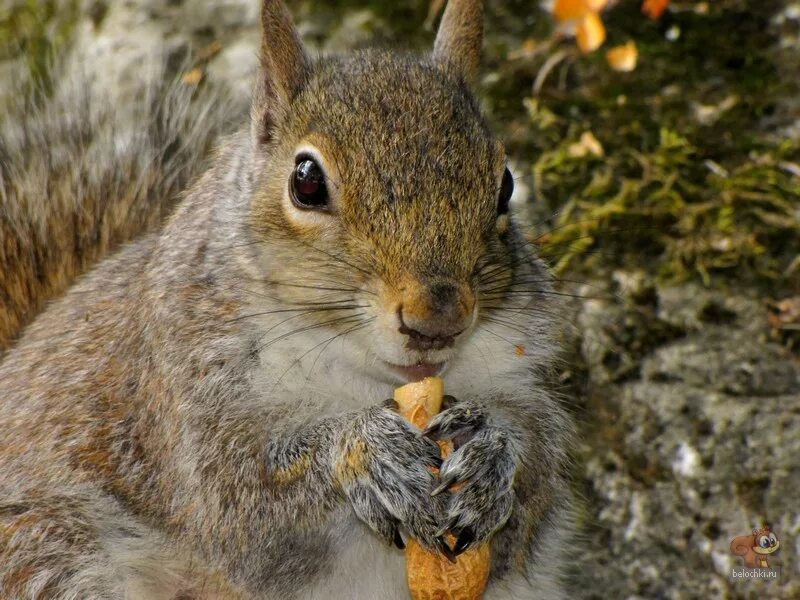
x: 37, y: 31
x: 400, y: 21
x: 694, y: 182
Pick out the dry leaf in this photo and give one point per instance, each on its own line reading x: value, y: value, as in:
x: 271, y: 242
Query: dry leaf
x: 209, y: 51
x: 786, y: 313
x: 623, y: 58
x: 654, y: 8
x: 571, y: 10
x: 527, y: 50
x: 591, y: 33
x: 588, y: 144
x: 193, y: 77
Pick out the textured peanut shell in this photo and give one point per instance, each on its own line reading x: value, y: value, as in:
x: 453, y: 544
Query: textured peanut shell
x: 430, y: 575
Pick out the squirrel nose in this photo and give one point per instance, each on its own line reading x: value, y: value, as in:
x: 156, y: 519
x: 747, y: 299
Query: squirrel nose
x: 432, y: 316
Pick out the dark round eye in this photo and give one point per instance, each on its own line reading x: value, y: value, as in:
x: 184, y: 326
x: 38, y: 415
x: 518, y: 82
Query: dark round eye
x: 307, y: 185
x: 764, y: 542
x: 506, y: 189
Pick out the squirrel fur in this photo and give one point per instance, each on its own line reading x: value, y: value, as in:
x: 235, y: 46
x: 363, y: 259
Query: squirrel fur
x: 201, y: 415
x: 75, y: 185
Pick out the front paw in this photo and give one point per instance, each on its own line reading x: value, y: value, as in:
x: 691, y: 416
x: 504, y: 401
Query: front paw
x: 386, y: 471
x: 481, y: 472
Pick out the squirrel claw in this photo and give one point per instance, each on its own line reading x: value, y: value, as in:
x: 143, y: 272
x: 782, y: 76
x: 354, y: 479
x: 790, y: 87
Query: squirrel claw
x: 446, y: 550
x: 398, y: 540
x: 391, y: 404
x: 446, y: 483
x: 448, y: 401
x: 448, y: 527
x: 465, y: 539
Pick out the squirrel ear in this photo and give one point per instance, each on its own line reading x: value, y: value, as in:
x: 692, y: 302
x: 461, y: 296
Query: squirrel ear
x: 460, y: 36
x: 284, y: 68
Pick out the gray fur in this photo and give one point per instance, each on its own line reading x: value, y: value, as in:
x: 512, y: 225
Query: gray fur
x: 78, y: 179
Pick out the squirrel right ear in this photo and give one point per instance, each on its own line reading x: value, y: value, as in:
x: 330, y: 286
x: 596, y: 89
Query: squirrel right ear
x: 284, y: 68
x: 460, y: 37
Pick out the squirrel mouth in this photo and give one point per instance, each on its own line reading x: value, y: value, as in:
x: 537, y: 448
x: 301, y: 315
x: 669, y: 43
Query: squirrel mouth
x: 417, y: 372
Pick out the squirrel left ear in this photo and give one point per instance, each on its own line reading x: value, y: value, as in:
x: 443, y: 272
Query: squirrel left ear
x: 460, y: 37
x: 284, y: 68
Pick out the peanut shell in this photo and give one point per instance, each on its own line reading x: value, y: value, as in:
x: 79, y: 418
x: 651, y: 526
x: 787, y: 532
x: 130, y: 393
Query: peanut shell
x: 429, y: 574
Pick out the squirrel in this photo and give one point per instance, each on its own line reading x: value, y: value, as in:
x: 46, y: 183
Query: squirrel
x: 756, y: 548
x: 75, y: 185
x: 200, y: 416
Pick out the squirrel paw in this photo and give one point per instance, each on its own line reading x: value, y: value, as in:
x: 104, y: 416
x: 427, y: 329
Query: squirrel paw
x: 386, y: 474
x: 483, y: 465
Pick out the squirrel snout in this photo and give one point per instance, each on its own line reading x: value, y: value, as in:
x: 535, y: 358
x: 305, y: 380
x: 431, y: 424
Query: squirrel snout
x: 432, y: 316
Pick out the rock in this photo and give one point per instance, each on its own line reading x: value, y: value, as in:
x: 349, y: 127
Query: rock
x: 698, y: 446
x: 355, y: 30
x: 236, y: 66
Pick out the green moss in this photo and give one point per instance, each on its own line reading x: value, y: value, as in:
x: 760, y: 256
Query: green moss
x: 37, y: 31
x: 694, y: 181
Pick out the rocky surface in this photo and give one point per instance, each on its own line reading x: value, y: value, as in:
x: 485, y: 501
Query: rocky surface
x: 690, y: 437
x: 688, y: 407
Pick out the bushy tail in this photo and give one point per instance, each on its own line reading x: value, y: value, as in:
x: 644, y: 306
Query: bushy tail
x: 77, y: 179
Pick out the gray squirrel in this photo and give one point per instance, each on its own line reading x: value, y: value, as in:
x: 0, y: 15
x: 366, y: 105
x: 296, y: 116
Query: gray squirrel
x: 202, y: 415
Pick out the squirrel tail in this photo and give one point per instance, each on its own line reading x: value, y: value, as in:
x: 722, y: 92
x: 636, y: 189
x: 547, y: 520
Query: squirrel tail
x: 741, y: 545
x: 80, y: 176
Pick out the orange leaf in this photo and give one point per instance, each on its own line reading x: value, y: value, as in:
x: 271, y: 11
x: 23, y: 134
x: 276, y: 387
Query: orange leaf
x: 596, y: 5
x: 623, y: 58
x: 571, y: 10
x: 193, y: 77
x: 654, y: 8
x: 591, y: 33
x: 567, y: 10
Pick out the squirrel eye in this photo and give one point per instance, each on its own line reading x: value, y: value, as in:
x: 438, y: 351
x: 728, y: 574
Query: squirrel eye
x: 506, y: 189
x: 307, y: 185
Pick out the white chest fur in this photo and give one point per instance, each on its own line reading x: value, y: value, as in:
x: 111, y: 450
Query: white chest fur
x: 365, y: 568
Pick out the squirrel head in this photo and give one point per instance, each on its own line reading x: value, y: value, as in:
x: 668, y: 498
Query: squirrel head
x: 383, y: 191
x: 764, y: 541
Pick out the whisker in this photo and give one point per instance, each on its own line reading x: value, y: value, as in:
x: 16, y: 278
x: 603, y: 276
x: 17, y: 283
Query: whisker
x: 497, y: 335
x: 507, y: 324
x: 334, y: 338
x: 326, y: 342
x: 336, y: 257
x: 303, y: 311
x: 314, y: 287
x: 544, y: 293
x: 281, y: 301
x: 308, y: 328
